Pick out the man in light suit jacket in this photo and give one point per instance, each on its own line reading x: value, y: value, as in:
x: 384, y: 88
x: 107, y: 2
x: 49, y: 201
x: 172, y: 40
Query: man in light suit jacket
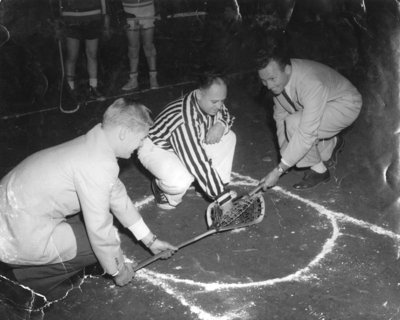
x: 312, y: 104
x: 42, y: 239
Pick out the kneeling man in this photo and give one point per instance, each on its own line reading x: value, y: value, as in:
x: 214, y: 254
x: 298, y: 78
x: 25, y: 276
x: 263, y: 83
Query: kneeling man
x: 43, y: 241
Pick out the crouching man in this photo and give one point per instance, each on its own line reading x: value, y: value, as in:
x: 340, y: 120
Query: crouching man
x: 191, y: 140
x: 43, y: 241
x: 313, y: 103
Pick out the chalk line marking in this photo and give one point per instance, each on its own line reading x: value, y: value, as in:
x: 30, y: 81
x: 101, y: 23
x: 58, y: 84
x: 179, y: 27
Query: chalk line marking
x: 304, y: 274
x: 164, y: 281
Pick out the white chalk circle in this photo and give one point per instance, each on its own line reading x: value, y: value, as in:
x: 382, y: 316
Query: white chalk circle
x: 302, y: 274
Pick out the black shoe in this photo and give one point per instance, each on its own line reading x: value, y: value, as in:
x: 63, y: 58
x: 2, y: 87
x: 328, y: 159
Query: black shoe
x: 95, y: 94
x: 94, y: 270
x: 160, y: 197
x: 311, y: 179
x: 338, y: 148
x: 20, y: 297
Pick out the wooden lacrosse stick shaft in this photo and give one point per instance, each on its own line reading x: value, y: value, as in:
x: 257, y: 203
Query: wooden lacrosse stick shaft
x: 181, y: 245
x: 249, y: 194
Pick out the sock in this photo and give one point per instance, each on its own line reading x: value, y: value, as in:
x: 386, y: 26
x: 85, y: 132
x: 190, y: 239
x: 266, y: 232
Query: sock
x: 319, y: 167
x: 71, y: 84
x: 93, y: 82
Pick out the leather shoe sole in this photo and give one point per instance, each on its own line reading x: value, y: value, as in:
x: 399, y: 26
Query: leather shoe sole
x: 311, y: 179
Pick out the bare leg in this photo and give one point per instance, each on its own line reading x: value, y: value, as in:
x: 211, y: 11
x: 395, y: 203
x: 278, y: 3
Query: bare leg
x: 133, y: 55
x: 91, y: 55
x: 151, y: 54
x: 70, y: 61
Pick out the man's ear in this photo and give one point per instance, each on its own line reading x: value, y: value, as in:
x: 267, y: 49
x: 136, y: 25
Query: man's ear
x: 199, y: 94
x: 122, y: 133
x: 288, y: 69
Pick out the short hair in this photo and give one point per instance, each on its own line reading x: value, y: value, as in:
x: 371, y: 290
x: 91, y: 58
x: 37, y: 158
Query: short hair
x: 275, y: 49
x: 128, y: 113
x: 208, y: 78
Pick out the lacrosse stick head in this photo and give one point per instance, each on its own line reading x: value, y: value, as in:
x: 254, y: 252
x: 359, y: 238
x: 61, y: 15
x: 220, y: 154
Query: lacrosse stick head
x: 246, y: 211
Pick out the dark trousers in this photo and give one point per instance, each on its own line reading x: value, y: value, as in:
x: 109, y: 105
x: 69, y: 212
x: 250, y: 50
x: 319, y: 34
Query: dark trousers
x: 44, y: 278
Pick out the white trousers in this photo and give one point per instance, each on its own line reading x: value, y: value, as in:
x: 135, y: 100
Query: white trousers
x: 171, y: 174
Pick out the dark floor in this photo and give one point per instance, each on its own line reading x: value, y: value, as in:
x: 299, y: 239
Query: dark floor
x: 319, y: 254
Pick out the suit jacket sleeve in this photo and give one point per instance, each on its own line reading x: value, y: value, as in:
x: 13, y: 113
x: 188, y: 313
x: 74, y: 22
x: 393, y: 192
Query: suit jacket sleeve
x: 122, y: 206
x: 94, y: 184
x: 313, y: 95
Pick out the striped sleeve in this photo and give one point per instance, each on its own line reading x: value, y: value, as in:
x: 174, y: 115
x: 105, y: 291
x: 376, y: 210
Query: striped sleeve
x: 186, y: 141
x: 166, y: 123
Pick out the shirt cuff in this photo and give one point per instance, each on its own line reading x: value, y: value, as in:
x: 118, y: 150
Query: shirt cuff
x: 285, y: 163
x: 139, y: 229
x: 224, y: 198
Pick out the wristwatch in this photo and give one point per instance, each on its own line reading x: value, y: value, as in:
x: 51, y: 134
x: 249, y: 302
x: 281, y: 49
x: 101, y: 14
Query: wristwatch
x: 280, y: 169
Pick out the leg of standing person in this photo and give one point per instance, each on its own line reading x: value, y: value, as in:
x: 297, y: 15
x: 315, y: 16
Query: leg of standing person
x: 91, y: 49
x: 70, y: 61
x: 133, y: 36
x: 151, y: 55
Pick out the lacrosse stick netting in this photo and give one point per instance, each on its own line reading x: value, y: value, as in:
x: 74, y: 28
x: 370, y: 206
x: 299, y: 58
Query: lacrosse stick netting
x: 246, y: 211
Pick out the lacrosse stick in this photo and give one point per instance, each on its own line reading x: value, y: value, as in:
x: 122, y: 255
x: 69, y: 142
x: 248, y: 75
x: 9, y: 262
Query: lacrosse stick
x: 247, y: 210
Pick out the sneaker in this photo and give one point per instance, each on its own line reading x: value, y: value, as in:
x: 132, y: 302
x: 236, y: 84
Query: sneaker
x: 160, y: 197
x: 338, y: 148
x: 95, y: 94
x: 132, y: 84
x: 69, y: 99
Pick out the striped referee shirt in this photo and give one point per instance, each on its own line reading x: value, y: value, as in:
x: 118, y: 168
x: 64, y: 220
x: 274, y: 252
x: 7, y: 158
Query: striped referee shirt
x: 182, y: 127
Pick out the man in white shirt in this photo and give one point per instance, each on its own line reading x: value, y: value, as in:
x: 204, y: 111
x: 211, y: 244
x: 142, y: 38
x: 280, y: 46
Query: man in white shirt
x: 39, y: 241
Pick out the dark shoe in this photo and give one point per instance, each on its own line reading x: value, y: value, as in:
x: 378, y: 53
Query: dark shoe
x: 95, y: 94
x: 338, y: 148
x: 312, y: 179
x: 94, y: 270
x: 20, y: 297
x: 160, y: 197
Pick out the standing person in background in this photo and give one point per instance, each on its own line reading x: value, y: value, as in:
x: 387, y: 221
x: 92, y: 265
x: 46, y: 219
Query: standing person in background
x: 82, y: 20
x: 140, y: 20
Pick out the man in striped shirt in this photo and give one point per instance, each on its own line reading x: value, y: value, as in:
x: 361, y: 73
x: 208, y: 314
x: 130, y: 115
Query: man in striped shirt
x: 191, y: 140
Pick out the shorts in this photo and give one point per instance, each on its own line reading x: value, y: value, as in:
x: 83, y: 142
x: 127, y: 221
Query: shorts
x: 144, y: 17
x: 87, y: 30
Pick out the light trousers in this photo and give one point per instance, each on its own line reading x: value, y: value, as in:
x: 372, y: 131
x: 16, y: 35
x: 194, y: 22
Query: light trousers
x: 172, y: 176
x: 338, y: 115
